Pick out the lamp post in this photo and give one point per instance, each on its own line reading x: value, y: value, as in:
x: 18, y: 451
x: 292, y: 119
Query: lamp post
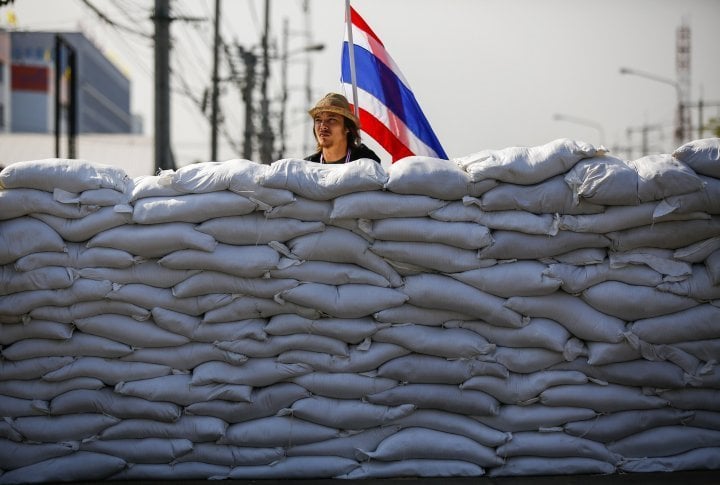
x: 680, y: 130
x: 582, y: 121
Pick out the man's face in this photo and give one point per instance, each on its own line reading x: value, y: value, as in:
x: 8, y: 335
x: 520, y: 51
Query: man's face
x: 329, y: 129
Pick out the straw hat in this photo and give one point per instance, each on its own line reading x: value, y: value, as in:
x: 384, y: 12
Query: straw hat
x: 334, y: 103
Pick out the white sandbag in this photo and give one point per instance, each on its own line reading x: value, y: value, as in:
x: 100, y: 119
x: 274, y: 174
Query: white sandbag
x: 92, y: 197
x: 145, y: 272
x: 552, y: 196
x: 244, y: 261
x: 540, y: 332
x: 193, y: 328
x: 455, y: 424
x: 442, y: 292
x: 415, y: 468
x: 534, y: 417
x: 381, y: 205
x: 423, y: 229
x: 255, y: 228
x: 604, y: 180
x: 172, y: 472
x: 179, y: 389
x: 451, y: 343
x: 78, y: 230
x: 433, y: 256
x: 327, y: 273
x: 615, y: 426
x: 266, y: 401
x: 665, y: 441
x: 703, y: 156
x: 243, y: 181
x: 34, y: 329
x: 32, y: 368
x: 68, y: 427
x: 342, y: 246
x: 705, y: 350
x: 129, y: 331
x: 15, y: 407
x: 699, y: 286
x: 147, y: 450
x: 696, y: 459
x: 274, y: 346
x: 105, y: 401
x: 527, y: 165
x: 81, y: 290
x: 276, y: 431
x: 407, y: 313
x: 77, y: 256
x: 665, y: 235
x: 151, y: 186
x: 519, y: 278
x: 298, y: 467
x: 623, y: 217
x: 518, y: 245
x: 358, y: 361
x: 80, y: 344
x: 519, y: 388
x: 322, y: 181
x: 420, y: 443
x: 22, y: 202
x: 512, y: 220
x: 579, y: 257
x: 345, y: 446
x: 346, y: 413
x: 200, y: 178
x: 7, y: 432
x: 621, y: 300
x: 48, y: 278
x: 696, y: 399
x: 343, y: 301
x: 15, y: 455
x: 444, y: 179
x: 705, y: 200
x: 26, y: 235
x: 36, y: 389
x: 699, y: 251
x: 208, y: 282
x: 350, y: 330
x: 250, y: 307
x: 661, y: 260
x: 426, y: 369
x: 532, y: 465
x: 68, y: 314
x: 713, y: 267
x: 110, y: 371
x: 603, y: 399
x: 191, y: 207
x: 638, y: 373
x: 582, y: 320
x: 228, y: 455
x: 601, y: 353
x: 661, y: 176
x: 575, y: 278
x: 257, y: 372
x: 438, y: 396
x: 556, y: 445
x: 197, y: 429
x: 154, y: 241
x: 342, y: 385
x: 185, y: 357
x: 697, y: 323
x: 150, y: 296
x: 526, y: 360
x: 302, y: 209
x: 77, y: 467
x: 71, y: 175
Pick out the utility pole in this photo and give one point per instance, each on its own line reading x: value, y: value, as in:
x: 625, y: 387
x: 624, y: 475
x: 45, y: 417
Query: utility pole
x: 163, y: 153
x: 215, y: 87
x: 266, y: 135
x: 250, y: 61
x: 284, y: 98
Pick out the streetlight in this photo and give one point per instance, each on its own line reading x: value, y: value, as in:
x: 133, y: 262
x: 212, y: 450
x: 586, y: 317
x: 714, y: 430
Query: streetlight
x: 679, y: 115
x: 584, y: 122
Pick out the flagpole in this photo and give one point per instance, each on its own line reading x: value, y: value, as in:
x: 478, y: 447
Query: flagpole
x: 351, y: 52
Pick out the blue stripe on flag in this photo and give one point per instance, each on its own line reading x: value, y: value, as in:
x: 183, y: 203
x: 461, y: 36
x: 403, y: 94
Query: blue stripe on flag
x: 377, y: 79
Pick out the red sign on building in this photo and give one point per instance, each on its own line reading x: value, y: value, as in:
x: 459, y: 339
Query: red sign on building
x: 30, y: 78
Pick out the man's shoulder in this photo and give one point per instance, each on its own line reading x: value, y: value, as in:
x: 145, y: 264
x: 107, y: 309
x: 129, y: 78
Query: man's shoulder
x: 363, y: 151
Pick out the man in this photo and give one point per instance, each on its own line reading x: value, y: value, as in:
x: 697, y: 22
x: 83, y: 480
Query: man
x: 335, y: 128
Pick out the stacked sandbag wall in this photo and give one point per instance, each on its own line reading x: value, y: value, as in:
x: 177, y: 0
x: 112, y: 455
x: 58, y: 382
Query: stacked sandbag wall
x: 548, y: 310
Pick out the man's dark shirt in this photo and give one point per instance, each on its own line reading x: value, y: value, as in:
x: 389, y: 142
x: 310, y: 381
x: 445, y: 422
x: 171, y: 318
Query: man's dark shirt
x: 360, y: 151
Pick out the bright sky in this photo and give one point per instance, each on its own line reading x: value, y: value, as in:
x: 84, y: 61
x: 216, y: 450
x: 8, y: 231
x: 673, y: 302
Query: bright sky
x: 487, y: 73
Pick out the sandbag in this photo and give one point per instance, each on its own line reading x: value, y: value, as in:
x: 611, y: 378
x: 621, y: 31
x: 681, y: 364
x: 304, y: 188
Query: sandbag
x: 703, y: 156
x: 381, y: 205
x: 24, y: 236
x: 179, y: 389
x: 604, y: 180
x: 154, y: 241
x: 22, y: 202
x: 71, y: 175
x: 105, y: 401
x: 79, y: 230
x: 424, y: 229
x: 347, y: 414
x: 520, y: 278
x: 427, y: 369
x: 190, y: 207
x: 255, y: 228
x: 661, y: 176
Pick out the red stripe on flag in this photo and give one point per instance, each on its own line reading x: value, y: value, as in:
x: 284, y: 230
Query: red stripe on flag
x: 360, y: 23
x: 381, y: 134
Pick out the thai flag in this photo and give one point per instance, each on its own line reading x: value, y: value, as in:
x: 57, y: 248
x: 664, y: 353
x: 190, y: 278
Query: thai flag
x: 388, y: 110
